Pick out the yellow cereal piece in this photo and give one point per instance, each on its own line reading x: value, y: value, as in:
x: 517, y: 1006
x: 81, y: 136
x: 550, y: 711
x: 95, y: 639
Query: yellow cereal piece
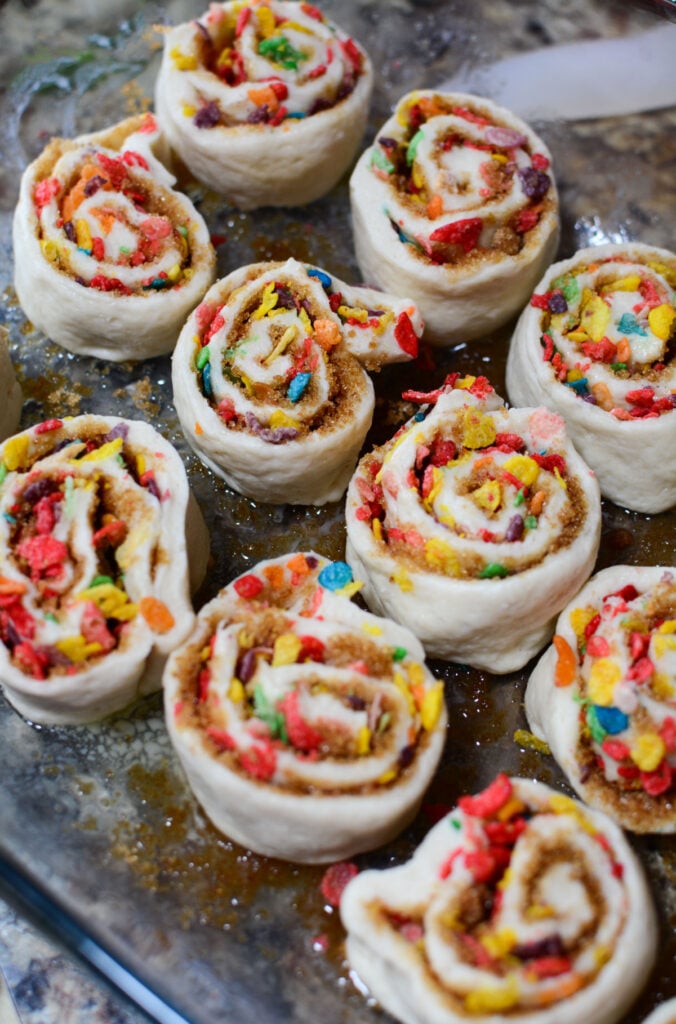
x: 418, y: 180
x: 493, y: 998
x: 174, y: 272
x: 363, y: 740
x: 403, y: 581
x: 662, y: 644
x: 668, y: 273
x: 560, y: 804
x: 488, y: 496
x: 205, y: 653
x: 245, y: 640
x: 465, y: 383
x: 539, y: 912
x: 647, y: 751
x: 662, y: 686
x: 602, y: 955
x: 661, y: 321
x: 573, y: 375
x: 578, y: 336
x: 506, y: 879
x: 512, y: 807
x: 371, y: 629
x: 266, y: 22
x: 384, y: 321
x: 50, y: 250
x: 188, y: 110
x: 441, y: 555
x: 350, y: 589
x: 15, y: 452
x: 111, y: 600
x: 416, y: 673
x: 288, y: 336
x: 387, y: 776
x: 403, y: 108
x: 83, y: 234
x: 432, y: 704
x: 499, y: 158
x: 268, y: 302
x: 559, y: 479
x: 183, y: 61
x: 77, y: 649
x: 478, y: 429
x: 140, y: 464
x: 595, y: 317
x: 377, y: 528
x: 528, y: 739
x: 605, y: 674
x: 353, y: 313
x: 305, y: 320
x: 631, y: 283
x: 106, y: 451
x: 280, y: 419
x: 236, y: 691
x: 403, y: 687
x: 668, y: 626
x: 499, y: 943
x: 286, y: 650
x: 579, y: 619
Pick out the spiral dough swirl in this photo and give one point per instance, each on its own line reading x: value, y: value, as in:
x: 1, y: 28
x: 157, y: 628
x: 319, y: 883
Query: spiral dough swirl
x: 308, y: 728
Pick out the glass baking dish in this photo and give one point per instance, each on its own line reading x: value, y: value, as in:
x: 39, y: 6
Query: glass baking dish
x: 98, y: 830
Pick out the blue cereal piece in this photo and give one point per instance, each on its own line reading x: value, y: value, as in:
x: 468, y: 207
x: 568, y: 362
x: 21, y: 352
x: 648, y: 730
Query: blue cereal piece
x: 324, y: 279
x: 335, y: 576
x: 611, y: 719
x: 298, y: 386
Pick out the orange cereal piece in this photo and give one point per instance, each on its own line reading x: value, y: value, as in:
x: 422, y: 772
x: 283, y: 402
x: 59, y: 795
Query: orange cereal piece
x: 566, y: 665
x: 77, y: 193
x: 265, y: 96
x: 435, y: 207
x: 156, y: 614
x: 298, y: 565
x: 327, y: 333
x: 274, y: 574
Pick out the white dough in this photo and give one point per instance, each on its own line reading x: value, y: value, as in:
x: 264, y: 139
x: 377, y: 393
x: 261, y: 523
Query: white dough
x: 292, y: 713
x: 92, y: 650
x: 54, y: 265
x: 272, y: 444
x: 607, y: 442
x: 290, y: 163
x: 428, y: 572
x: 647, y: 701
x: 665, y: 1013
x: 485, y: 273
x: 412, y: 944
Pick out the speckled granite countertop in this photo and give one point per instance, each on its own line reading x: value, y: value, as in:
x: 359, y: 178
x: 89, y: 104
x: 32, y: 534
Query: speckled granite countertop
x: 414, y: 43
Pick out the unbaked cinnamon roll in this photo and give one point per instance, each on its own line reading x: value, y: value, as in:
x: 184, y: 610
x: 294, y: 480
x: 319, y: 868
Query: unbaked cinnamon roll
x: 598, y: 344
x: 603, y: 696
x: 108, y: 258
x: 665, y: 1013
x: 99, y: 541
x: 269, y: 380
x: 521, y: 905
x: 265, y: 102
x: 474, y: 525
x: 455, y: 205
x: 308, y: 728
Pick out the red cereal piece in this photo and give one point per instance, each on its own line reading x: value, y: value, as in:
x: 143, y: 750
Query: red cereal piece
x: 658, y: 782
x: 489, y: 801
x: 464, y: 233
x: 540, y: 161
x: 44, y: 554
x: 312, y: 649
x: 615, y: 748
x: 242, y: 20
x: 260, y: 761
x: 45, y: 190
x: 94, y: 628
x: 514, y: 442
x: 527, y: 219
x: 549, y: 966
x: 540, y: 301
x: 668, y: 734
x: 598, y: 647
x: 334, y: 880
x: 47, y: 425
x: 482, y: 864
x: 405, y: 336
x: 30, y: 660
x: 301, y: 734
x: 221, y: 737
x: 112, y: 533
x: 248, y: 586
